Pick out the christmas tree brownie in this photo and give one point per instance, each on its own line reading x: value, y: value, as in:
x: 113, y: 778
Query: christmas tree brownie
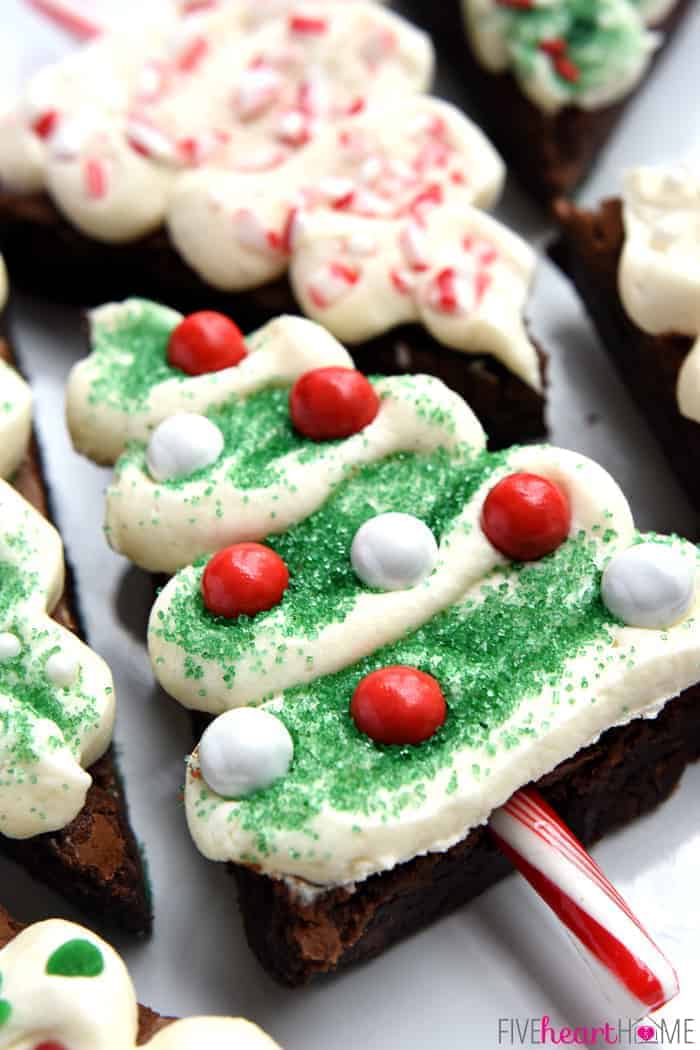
x: 313, y: 174
x: 634, y: 261
x: 63, y: 814
x: 552, y: 78
x: 65, y: 986
x: 392, y: 628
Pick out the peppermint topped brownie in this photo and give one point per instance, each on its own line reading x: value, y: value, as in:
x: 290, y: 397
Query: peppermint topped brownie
x: 64, y: 985
x: 314, y: 172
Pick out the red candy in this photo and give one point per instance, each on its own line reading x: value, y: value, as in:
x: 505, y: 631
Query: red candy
x: 526, y: 516
x: 50, y: 1046
x: 331, y: 403
x: 206, y: 342
x: 398, y: 705
x: 244, y: 579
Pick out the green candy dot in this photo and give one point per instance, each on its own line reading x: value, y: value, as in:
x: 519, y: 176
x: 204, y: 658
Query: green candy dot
x: 76, y: 959
x: 5, y: 1011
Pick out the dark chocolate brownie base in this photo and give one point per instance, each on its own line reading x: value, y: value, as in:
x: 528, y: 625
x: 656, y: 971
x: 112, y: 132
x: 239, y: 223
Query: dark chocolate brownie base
x: 95, y: 861
x: 149, y: 1023
x: 47, y: 255
x: 589, y: 252
x: 550, y: 153
x: 629, y: 771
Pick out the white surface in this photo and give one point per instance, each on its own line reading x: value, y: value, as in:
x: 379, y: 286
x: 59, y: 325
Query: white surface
x: 503, y: 956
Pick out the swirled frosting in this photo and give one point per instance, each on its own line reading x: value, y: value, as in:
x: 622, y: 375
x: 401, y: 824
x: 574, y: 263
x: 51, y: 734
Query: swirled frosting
x: 60, y: 983
x: 56, y: 694
x: 267, y: 477
x: 659, y: 274
x: 585, y: 53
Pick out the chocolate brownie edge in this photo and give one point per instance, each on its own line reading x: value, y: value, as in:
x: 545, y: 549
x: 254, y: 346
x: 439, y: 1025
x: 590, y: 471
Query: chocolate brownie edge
x: 588, y: 251
x: 94, y: 862
x: 624, y: 775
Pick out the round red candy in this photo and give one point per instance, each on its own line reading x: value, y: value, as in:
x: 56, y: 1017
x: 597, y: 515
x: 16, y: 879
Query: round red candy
x: 206, y: 342
x: 51, y: 1045
x: 398, y: 705
x: 329, y: 403
x: 526, y: 516
x: 244, y: 579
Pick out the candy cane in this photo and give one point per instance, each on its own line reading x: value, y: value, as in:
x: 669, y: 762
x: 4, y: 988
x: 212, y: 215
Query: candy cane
x: 70, y: 15
x: 567, y: 878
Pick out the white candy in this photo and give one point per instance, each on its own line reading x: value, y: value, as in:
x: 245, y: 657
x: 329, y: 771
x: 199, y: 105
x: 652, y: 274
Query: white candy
x: 62, y: 669
x: 649, y: 585
x: 393, y: 552
x: 183, y: 444
x: 243, y: 751
x: 10, y: 646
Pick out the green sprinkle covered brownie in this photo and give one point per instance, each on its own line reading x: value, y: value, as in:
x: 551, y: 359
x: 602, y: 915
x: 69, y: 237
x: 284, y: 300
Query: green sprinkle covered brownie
x: 65, y: 987
x: 63, y: 814
x: 635, y: 261
x: 553, y: 76
x: 261, y: 165
x: 388, y: 628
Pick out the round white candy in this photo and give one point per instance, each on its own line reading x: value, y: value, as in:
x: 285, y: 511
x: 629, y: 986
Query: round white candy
x: 10, y: 646
x: 393, y: 552
x: 62, y: 669
x: 183, y: 444
x: 649, y: 585
x: 243, y: 751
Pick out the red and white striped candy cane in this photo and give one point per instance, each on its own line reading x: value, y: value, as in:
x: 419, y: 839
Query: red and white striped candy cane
x: 72, y: 16
x: 566, y: 877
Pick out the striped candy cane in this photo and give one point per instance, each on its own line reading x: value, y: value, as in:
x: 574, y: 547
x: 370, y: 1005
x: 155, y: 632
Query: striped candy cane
x: 71, y: 15
x: 608, y: 935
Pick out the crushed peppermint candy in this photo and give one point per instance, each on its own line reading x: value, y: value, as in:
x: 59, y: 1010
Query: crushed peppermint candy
x: 307, y: 24
x: 258, y: 89
x: 95, y: 178
x: 331, y: 283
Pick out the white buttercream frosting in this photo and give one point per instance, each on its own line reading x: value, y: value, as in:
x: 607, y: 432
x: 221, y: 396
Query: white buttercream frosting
x: 15, y: 405
x: 278, y: 354
x: 659, y: 275
x: 454, y: 269
x: 564, y: 55
x: 15, y: 419
x: 630, y: 674
x: 97, y: 1012
x: 43, y: 755
x: 164, y: 529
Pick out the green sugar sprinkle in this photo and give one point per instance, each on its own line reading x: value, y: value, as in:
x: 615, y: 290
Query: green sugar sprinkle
x: 323, y: 586
x: 257, y: 432
x: 23, y: 679
x: 131, y: 355
x: 487, y: 657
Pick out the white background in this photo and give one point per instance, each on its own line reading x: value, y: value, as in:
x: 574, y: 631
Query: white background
x: 504, y: 955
